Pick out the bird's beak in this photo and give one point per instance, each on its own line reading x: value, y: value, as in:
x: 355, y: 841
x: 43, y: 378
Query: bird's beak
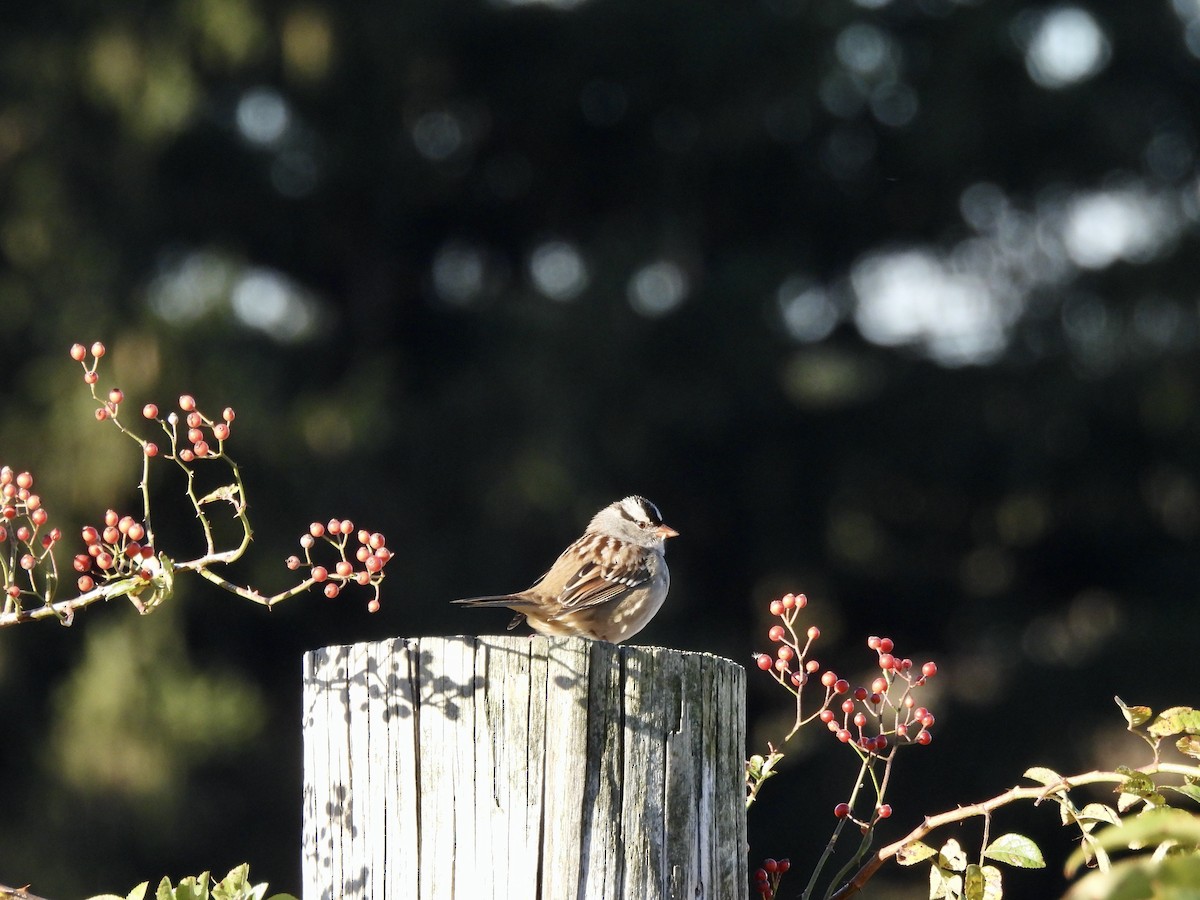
x: 666, y: 531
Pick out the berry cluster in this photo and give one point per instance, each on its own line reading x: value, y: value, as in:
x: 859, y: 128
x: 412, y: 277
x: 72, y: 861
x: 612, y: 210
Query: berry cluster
x: 372, y: 554
x: 768, y: 876
x: 115, y: 551
x: 887, y: 705
x: 205, y: 437
x: 22, y: 550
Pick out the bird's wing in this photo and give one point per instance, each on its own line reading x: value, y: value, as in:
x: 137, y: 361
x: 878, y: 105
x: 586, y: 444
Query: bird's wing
x: 603, y: 571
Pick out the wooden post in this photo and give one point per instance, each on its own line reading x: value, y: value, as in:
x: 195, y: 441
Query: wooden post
x: 518, y: 768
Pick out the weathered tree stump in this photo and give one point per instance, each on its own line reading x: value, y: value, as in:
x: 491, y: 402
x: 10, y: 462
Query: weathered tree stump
x: 517, y: 767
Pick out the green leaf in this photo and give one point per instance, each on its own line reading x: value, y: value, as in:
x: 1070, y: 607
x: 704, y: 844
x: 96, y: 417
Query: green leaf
x: 914, y: 852
x: 952, y: 857
x: 1148, y: 829
x: 1100, y: 812
x: 944, y: 884
x: 1134, y: 715
x: 1176, y: 720
x: 1042, y: 775
x: 1189, y: 746
x: 993, y: 889
x: 1140, y: 785
x: 1015, y: 850
x: 973, y: 882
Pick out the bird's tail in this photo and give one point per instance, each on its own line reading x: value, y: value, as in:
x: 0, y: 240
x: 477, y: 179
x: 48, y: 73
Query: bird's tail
x: 497, y: 600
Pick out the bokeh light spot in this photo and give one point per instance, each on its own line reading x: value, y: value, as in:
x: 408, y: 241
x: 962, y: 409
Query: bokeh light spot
x: 1063, y: 46
x: 657, y: 288
x: 558, y: 271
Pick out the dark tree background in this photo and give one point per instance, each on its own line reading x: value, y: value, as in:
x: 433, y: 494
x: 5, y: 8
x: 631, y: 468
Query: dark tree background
x: 895, y: 303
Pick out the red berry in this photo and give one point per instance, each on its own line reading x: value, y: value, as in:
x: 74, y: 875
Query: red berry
x: 135, y: 531
x: 860, y: 693
x: 344, y: 568
x: 101, y: 414
x: 376, y: 541
x: 151, y: 449
x: 781, y: 665
x: 842, y: 810
x: 841, y: 686
x: 363, y: 578
x: 316, y: 529
x: 860, y: 719
x: 78, y: 352
x: 90, y: 377
x: 770, y: 865
x: 924, y: 738
x: 828, y: 715
x: 926, y: 720
x: 228, y: 414
x: 884, y: 812
x: 13, y: 591
x: 319, y: 573
x: 25, y: 480
x: 116, y: 395
x: 829, y: 679
x: 97, y: 349
x: 194, y: 435
x: 813, y: 633
x: 186, y: 455
x: 784, y: 865
x: 777, y: 608
x: 187, y: 402
x: 85, y: 583
x: 763, y: 661
x: 785, y: 652
x: 347, y: 527
x: 789, y: 600
x: 873, y: 642
x: 3, y: 534
x: 879, y: 685
x: 929, y: 669
x: 111, y: 534
x: 373, y: 564
x: 811, y: 666
x: 292, y: 562
x: 776, y: 633
x: 373, y: 605
x: 150, y: 411
x: 847, y: 706
x: 221, y: 431
x: 334, y: 526
x: 24, y: 534
x: 901, y: 730
x: 27, y: 561
x: 332, y: 590
x: 362, y: 554
x: 887, y: 662
x: 104, y: 559
x: 38, y: 517
x: 200, y: 448
x: 147, y: 552
x: 306, y: 541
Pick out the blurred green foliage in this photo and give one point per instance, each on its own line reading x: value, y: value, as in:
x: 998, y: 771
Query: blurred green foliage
x: 890, y: 302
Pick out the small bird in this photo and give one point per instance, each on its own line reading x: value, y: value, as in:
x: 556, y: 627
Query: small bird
x: 607, y: 585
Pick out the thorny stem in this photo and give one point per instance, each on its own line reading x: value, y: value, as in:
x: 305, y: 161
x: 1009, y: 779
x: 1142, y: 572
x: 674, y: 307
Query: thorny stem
x: 1036, y: 794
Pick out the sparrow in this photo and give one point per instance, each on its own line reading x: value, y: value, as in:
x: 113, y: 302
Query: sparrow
x: 606, y: 586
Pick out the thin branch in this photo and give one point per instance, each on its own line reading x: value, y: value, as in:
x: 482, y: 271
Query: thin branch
x: 1037, y: 794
